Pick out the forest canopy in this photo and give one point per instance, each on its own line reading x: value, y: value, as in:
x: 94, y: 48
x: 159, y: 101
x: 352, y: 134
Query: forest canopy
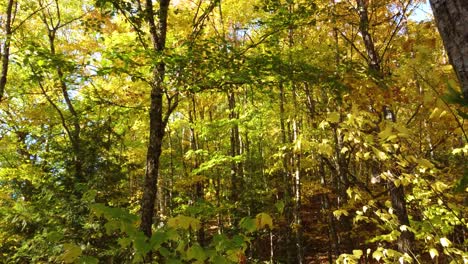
x: 232, y: 131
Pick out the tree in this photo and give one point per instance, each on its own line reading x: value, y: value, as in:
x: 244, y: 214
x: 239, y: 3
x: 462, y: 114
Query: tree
x: 452, y: 21
x: 5, y: 49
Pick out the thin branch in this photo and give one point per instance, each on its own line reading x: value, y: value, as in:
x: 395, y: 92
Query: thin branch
x: 353, y: 45
x: 414, y: 114
x: 460, y: 125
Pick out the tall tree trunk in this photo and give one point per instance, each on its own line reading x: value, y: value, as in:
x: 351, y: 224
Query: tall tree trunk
x: 397, y: 194
x: 5, y: 51
x: 285, y: 174
x: 451, y: 17
x: 236, y: 167
x: 199, y: 186
x: 157, y: 122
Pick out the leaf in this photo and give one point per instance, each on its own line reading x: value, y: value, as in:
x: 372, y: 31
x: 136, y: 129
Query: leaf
x: 87, y: 260
x: 433, y: 252
x: 333, y: 117
x: 385, y: 133
x: 124, y: 242
x: 72, y: 252
x: 358, y: 253
x: 184, y: 222
x: 377, y: 255
x: 280, y: 206
x: 196, y: 252
x: 89, y: 196
x: 425, y: 163
x: 380, y: 154
x: 445, y: 242
x: 248, y: 224
x: 263, y: 220
x: 220, y: 260
x: 158, y: 238
x: 338, y: 213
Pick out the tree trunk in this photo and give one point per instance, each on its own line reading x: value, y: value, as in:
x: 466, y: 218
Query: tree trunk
x: 397, y: 194
x: 157, y: 122
x: 236, y: 167
x: 451, y: 17
x: 373, y: 57
x: 285, y: 175
x: 5, y: 52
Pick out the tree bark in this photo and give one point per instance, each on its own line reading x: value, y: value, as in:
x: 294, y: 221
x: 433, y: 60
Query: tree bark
x: 451, y: 17
x: 157, y: 122
x: 5, y: 52
x: 373, y: 57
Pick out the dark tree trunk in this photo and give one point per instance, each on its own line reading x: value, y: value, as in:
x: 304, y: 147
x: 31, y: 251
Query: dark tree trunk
x: 157, y: 122
x: 236, y: 167
x: 5, y: 52
x: 373, y: 57
x: 397, y: 194
x: 399, y: 204
x: 451, y: 17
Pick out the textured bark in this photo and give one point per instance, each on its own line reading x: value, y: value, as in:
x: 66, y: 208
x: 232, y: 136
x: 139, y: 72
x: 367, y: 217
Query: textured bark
x: 452, y: 21
x: 157, y: 122
x: 397, y: 195
x: 373, y: 57
x: 5, y: 52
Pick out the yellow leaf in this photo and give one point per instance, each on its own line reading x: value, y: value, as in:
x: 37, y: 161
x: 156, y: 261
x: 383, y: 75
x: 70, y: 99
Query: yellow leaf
x: 434, y: 112
x: 385, y: 133
x: 425, y: 163
x: 263, y: 220
x: 344, y: 150
x: 325, y: 148
x: 333, y: 117
x: 380, y: 154
x: 433, y: 252
x: 184, y: 222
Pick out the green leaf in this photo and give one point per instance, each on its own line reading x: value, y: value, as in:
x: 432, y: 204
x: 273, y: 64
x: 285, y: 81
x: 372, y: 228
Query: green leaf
x: 71, y: 253
x: 280, y: 206
x: 87, y: 260
x: 196, y: 252
x: 333, y: 117
x: 158, y: 238
x: 248, y: 224
x: 184, y: 222
x: 220, y: 260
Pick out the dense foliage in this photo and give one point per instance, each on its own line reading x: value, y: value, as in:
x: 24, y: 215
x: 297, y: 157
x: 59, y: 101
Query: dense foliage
x: 290, y: 131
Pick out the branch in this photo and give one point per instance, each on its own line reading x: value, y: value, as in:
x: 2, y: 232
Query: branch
x: 445, y: 102
x: 352, y: 44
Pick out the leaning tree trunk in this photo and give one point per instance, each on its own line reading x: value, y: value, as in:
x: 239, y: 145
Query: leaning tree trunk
x: 451, y: 17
